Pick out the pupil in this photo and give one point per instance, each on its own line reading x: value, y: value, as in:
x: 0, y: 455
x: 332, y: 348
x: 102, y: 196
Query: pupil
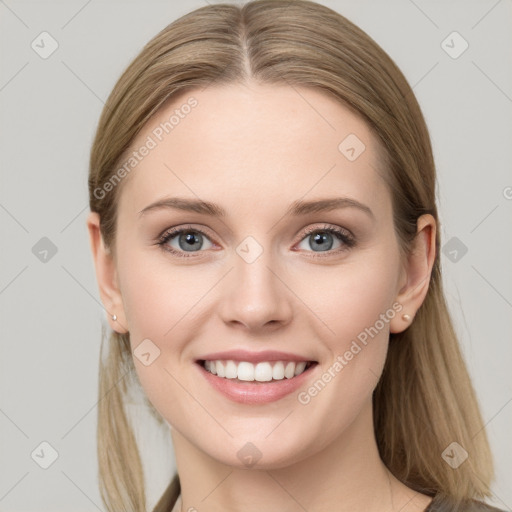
x: 192, y: 240
x: 320, y: 238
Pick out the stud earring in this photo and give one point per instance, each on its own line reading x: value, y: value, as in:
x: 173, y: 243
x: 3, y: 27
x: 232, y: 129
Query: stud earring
x: 406, y: 317
x: 114, y: 317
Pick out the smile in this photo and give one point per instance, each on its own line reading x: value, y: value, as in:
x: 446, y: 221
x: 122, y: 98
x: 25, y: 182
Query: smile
x: 265, y: 371
x: 258, y: 382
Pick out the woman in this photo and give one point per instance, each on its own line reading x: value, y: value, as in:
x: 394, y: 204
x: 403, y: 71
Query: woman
x: 266, y: 241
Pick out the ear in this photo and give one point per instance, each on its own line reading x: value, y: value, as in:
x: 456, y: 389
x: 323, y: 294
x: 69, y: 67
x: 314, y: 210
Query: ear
x: 415, y: 275
x: 106, y: 276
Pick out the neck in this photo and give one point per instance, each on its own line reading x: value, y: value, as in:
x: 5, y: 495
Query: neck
x: 346, y: 475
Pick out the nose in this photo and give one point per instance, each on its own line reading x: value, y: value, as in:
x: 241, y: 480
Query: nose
x: 256, y: 298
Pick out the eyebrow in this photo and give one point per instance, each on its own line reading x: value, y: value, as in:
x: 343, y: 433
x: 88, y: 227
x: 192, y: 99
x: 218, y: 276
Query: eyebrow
x: 295, y: 209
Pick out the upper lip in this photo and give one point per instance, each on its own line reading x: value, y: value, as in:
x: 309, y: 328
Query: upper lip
x: 253, y: 357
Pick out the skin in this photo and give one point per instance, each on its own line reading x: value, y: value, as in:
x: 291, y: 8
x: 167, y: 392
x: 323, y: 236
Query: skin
x: 254, y: 149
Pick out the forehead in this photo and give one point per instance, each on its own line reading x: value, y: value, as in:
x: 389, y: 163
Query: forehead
x: 249, y: 143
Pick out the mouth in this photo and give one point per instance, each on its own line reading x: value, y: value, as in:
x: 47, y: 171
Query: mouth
x: 258, y: 382
x: 263, y: 371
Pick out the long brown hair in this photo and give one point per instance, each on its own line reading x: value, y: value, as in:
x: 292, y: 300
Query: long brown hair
x: 424, y: 400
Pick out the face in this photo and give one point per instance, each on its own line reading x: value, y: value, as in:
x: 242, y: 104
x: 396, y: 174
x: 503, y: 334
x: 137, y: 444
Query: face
x: 271, y: 282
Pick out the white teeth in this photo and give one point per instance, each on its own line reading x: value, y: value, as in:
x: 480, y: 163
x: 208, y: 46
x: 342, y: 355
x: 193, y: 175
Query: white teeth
x: 221, y: 372
x: 231, y: 370
x: 261, y: 372
x: 278, y: 371
x: 299, y: 368
x: 289, y: 370
x: 210, y: 366
x: 245, y: 371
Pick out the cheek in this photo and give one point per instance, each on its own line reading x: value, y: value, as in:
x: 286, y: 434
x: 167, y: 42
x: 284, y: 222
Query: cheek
x: 356, y: 306
x: 360, y: 305
x: 349, y: 299
x: 159, y: 303
x: 156, y: 295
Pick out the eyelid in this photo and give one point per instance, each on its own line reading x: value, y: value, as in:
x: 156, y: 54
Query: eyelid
x: 185, y: 227
x: 325, y: 227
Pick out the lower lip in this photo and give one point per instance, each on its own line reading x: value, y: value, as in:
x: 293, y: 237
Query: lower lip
x: 256, y: 392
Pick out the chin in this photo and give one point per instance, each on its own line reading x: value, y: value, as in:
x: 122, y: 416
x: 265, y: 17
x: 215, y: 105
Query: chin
x: 258, y: 454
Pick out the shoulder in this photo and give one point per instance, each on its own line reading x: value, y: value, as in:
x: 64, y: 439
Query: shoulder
x: 442, y: 503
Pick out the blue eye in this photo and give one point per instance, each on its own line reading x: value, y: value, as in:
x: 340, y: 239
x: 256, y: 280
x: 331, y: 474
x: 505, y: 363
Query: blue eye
x: 324, y: 239
x: 186, y: 241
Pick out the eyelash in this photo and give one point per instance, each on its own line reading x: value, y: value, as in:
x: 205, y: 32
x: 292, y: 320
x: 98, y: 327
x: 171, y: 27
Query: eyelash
x: 343, y: 235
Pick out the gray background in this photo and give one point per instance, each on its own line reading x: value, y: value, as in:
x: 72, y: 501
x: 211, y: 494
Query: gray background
x: 51, y: 315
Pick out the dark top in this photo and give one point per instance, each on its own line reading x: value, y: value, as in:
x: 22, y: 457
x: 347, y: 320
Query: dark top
x: 442, y: 503
x: 438, y: 504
